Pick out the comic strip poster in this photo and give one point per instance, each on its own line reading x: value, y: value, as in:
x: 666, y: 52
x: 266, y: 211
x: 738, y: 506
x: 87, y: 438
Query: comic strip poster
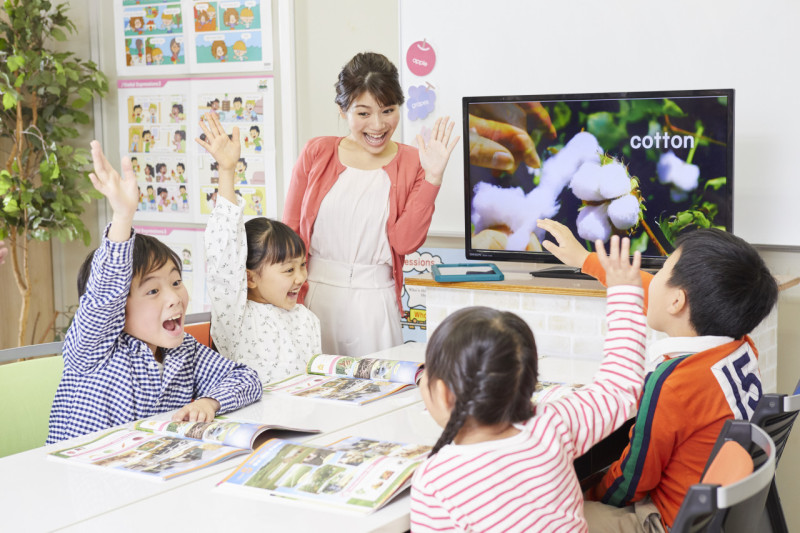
x: 414, y: 320
x: 188, y: 244
x: 177, y: 178
x: 189, y: 36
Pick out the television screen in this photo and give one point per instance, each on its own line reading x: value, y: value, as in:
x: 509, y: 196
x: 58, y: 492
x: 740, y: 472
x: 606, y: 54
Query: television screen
x: 646, y: 165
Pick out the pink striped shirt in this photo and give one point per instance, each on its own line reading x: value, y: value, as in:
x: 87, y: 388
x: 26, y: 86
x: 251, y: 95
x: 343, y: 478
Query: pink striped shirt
x: 527, y: 482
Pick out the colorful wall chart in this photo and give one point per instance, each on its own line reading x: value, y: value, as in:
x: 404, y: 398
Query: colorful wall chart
x: 177, y: 178
x: 188, y: 244
x: 191, y: 36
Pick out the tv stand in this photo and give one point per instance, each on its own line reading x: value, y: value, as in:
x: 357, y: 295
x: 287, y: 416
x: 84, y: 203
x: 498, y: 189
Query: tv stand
x: 561, y: 272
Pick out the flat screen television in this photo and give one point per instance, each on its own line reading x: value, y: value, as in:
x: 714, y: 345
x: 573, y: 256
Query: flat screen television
x: 647, y: 165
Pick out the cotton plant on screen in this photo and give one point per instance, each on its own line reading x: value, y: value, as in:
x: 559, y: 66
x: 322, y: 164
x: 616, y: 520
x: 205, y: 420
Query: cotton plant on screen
x: 610, y: 199
x: 497, y: 207
x: 682, y: 177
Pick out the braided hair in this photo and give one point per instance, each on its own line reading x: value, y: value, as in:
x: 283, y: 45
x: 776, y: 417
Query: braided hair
x: 487, y: 358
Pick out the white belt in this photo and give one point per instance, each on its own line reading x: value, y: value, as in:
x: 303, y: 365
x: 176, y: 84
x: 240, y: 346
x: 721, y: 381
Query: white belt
x: 349, y: 275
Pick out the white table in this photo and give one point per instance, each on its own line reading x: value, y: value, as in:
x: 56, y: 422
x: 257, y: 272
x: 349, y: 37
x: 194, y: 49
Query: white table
x: 201, y: 506
x: 41, y: 494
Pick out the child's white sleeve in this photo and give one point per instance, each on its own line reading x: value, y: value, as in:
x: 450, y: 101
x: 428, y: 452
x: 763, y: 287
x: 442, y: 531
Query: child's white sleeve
x: 592, y: 412
x: 226, y: 256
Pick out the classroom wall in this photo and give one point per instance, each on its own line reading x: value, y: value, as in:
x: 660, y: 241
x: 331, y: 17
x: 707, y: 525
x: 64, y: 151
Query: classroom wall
x: 327, y: 35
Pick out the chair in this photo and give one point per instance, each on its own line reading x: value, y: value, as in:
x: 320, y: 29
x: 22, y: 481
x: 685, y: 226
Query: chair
x: 198, y: 325
x: 27, y: 389
x: 741, y: 501
x: 776, y: 413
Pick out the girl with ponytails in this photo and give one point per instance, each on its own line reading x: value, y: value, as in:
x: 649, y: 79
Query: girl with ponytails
x: 501, y: 463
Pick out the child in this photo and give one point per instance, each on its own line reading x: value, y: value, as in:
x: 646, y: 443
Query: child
x: 255, y: 271
x: 711, y: 292
x: 509, y: 467
x: 126, y: 355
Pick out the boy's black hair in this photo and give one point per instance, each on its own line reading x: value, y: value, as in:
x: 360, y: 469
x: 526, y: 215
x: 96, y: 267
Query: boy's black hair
x: 149, y: 254
x: 487, y: 358
x: 270, y: 242
x: 728, y: 286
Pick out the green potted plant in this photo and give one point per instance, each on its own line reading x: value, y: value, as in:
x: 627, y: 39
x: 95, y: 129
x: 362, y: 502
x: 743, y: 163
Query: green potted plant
x: 43, y: 185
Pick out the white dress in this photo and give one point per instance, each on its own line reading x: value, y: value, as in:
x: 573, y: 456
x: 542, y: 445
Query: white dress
x: 275, y: 342
x: 351, y: 288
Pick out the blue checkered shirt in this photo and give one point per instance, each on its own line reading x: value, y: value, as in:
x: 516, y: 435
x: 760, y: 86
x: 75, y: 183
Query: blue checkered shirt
x: 111, y: 378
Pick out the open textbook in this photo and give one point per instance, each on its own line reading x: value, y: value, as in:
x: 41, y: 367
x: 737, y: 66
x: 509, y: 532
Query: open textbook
x: 357, y: 474
x: 350, y: 379
x: 162, y: 449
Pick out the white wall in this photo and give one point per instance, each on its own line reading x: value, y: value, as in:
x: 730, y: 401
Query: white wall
x: 327, y: 35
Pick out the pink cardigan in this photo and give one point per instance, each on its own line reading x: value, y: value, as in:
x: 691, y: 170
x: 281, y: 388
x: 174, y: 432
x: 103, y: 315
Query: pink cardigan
x: 411, y: 199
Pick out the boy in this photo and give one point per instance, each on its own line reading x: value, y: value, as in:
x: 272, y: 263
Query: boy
x: 710, y: 293
x: 126, y: 355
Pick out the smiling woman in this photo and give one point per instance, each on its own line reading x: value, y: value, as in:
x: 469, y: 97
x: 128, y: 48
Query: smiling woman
x: 360, y: 203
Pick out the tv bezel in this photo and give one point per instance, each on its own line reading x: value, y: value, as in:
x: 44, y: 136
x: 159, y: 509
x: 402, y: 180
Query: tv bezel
x: 648, y: 261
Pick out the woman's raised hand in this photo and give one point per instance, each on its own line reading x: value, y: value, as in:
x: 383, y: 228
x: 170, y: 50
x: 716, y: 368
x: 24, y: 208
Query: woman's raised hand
x: 434, y: 155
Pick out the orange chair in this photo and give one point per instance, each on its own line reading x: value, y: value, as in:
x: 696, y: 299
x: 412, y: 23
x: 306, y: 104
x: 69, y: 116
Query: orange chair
x: 734, y: 488
x: 198, y: 325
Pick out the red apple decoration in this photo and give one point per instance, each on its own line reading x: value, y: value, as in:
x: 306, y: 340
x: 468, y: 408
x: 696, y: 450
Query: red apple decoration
x: 420, y: 58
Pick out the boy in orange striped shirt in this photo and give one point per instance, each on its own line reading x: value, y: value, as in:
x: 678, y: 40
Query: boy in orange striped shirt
x: 710, y: 293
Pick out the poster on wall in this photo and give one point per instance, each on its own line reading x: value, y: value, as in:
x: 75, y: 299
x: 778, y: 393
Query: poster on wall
x: 191, y: 36
x: 413, y: 321
x: 177, y: 178
x: 188, y: 244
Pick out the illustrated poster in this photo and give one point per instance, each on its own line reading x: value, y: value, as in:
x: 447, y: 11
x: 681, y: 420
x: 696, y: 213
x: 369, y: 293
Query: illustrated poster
x: 190, y: 36
x: 159, y: 120
x: 188, y: 244
x: 414, y: 320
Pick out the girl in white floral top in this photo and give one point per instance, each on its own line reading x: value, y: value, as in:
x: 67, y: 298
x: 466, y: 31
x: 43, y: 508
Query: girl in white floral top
x: 255, y: 271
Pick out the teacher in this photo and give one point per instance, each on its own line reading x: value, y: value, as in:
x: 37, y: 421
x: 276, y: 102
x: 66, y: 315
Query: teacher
x: 360, y: 203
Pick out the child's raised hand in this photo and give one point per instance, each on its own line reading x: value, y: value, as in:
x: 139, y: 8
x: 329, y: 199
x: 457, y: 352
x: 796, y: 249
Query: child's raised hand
x: 200, y: 410
x: 620, y: 267
x: 225, y: 150
x: 566, y: 248
x: 121, y: 191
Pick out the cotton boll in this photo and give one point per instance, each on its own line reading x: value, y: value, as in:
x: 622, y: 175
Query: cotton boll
x: 519, y: 240
x: 585, y: 183
x: 665, y: 164
x: 541, y: 203
x: 614, y: 180
x: 624, y: 212
x: 685, y: 176
x: 584, y: 147
x: 673, y: 170
x: 558, y: 170
x: 593, y: 223
x: 493, y: 206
